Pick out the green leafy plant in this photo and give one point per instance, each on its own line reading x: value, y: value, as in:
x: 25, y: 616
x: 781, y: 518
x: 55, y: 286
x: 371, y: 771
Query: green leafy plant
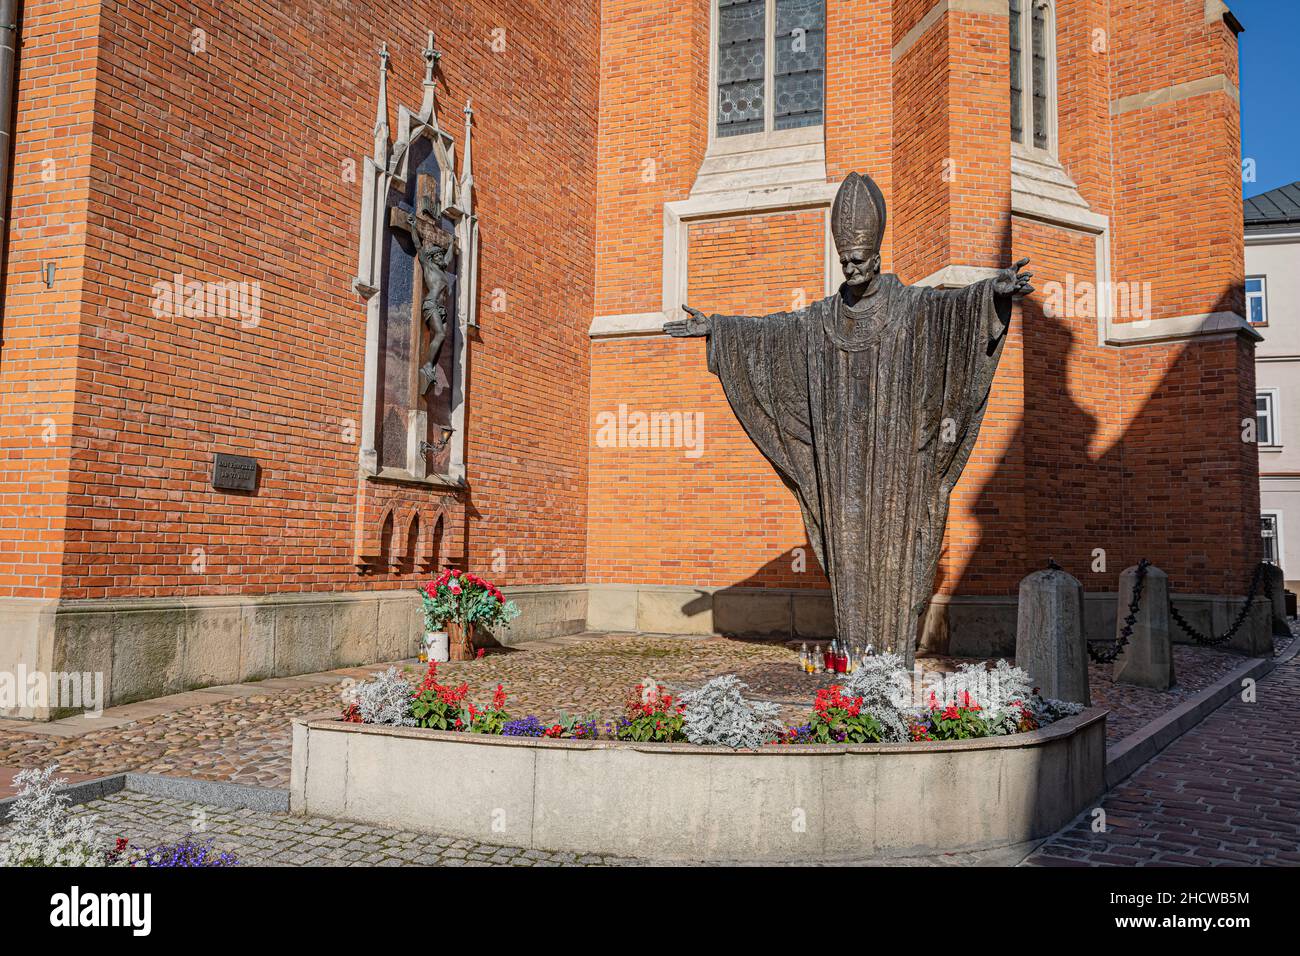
x: 490, y: 720
x: 651, y: 716
x: 438, y: 706
x: 837, y: 719
x: 961, y: 721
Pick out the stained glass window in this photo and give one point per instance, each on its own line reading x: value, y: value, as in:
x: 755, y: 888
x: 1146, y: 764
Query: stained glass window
x: 741, y: 65
x: 1032, y: 71
x: 1039, y: 40
x: 799, y: 63
x: 771, y: 65
x: 1017, y: 84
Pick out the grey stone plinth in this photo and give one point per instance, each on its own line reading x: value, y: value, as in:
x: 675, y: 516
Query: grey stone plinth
x: 1275, y: 580
x: 1255, y: 636
x: 149, y: 647
x: 1148, y: 660
x: 1049, y: 635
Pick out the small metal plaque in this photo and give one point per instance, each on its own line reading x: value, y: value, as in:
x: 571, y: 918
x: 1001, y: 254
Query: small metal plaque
x: 234, y: 473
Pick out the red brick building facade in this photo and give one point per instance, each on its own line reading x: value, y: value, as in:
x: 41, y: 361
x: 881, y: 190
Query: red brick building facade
x: 627, y: 158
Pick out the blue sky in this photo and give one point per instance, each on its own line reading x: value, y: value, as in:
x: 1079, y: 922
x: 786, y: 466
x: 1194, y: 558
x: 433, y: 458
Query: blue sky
x: 1270, y: 90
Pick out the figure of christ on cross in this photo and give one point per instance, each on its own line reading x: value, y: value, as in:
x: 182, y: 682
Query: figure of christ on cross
x: 435, y: 249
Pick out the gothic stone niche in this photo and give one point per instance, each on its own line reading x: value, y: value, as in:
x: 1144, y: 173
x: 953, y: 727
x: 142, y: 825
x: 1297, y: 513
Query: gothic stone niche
x: 417, y: 272
x: 418, y: 253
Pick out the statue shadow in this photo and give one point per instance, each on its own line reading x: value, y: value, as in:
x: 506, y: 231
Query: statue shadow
x: 1096, y: 489
x: 787, y: 598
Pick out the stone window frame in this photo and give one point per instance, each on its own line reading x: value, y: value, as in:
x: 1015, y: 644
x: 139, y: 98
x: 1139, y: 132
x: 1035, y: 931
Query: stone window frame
x: 1027, y: 86
x: 1271, y: 397
x: 770, y: 159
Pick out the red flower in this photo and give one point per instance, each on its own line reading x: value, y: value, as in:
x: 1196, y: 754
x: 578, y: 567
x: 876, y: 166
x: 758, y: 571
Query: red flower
x: 499, y: 698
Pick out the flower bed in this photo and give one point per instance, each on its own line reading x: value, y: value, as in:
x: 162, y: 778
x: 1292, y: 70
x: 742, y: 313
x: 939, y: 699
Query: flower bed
x: 875, y: 705
x: 712, y: 775
x: 683, y: 801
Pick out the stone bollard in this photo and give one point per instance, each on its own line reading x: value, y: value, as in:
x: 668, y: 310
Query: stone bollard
x: 1049, y: 635
x: 1255, y: 636
x: 1148, y: 660
x: 1276, y: 580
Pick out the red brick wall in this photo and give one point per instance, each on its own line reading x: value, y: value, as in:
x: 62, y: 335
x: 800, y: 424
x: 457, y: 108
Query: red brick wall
x: 666, y: 515
x: 47, y: 223
x: 227, y: 164
x: 654, y: 115
x: 1071, y: 446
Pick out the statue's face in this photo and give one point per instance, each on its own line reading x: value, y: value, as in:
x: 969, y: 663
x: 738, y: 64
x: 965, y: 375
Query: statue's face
x: 860, y: 266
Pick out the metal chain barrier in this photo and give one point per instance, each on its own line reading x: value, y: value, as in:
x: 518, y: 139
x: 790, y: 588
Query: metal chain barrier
x: 1114, y: 648
x: 1209, y: 641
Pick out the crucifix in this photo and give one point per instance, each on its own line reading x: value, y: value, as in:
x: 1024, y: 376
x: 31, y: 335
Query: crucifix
x: 435, y: 250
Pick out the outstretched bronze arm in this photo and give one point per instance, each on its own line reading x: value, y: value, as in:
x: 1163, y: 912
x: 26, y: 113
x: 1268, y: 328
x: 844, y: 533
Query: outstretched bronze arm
x: 694, y: 327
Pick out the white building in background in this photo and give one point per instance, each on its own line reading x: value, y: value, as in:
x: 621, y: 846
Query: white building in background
x: 1272, y: 222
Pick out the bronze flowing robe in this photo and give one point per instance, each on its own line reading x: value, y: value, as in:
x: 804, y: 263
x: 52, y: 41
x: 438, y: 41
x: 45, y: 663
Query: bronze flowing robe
x: 869, y: 423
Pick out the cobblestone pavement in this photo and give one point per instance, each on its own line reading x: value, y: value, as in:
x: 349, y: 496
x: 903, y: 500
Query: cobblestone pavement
x: 246, y: 738
x: 1227, y: 792
x: 274, y: 839
x: 1195, y: 669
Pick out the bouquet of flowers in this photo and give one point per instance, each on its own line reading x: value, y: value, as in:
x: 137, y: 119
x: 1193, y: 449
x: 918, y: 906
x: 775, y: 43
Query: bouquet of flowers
x: 460, y: 601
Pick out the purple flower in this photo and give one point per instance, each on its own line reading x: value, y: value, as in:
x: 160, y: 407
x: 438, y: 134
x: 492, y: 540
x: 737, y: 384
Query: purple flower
x: 189, y: 852
x: 523, y: 727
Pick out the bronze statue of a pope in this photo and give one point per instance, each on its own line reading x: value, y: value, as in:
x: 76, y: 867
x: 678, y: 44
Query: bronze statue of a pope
x: 867, y: 403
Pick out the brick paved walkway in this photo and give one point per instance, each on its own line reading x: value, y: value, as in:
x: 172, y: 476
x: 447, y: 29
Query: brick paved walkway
x: 1226, y: 792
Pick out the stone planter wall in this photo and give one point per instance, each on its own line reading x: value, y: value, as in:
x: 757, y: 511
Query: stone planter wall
x: 681, y: 802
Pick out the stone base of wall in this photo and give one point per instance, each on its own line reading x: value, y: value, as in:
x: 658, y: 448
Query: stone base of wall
x: 662, y: 609
x: 148, y: 648
x: 956, y: 625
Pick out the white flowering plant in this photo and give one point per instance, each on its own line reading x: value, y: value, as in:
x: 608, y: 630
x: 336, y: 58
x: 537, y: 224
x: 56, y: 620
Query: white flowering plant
x: 43, y: 830
x: 718, y: 714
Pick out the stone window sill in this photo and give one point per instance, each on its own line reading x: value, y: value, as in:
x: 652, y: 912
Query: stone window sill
x: 401, y: 476
x: 758, y: 162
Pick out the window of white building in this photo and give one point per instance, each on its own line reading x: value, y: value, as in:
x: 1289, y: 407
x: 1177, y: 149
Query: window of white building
x: 769, y: 65
x: 1033, y: 73
x: 1257, y: 300
x: 1266, y: 423
x: 1271, y: 528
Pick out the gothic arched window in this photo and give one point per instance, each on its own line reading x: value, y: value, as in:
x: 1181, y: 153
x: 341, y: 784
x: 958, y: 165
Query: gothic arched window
x: 762, y: 46
x: 1033, y: 73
